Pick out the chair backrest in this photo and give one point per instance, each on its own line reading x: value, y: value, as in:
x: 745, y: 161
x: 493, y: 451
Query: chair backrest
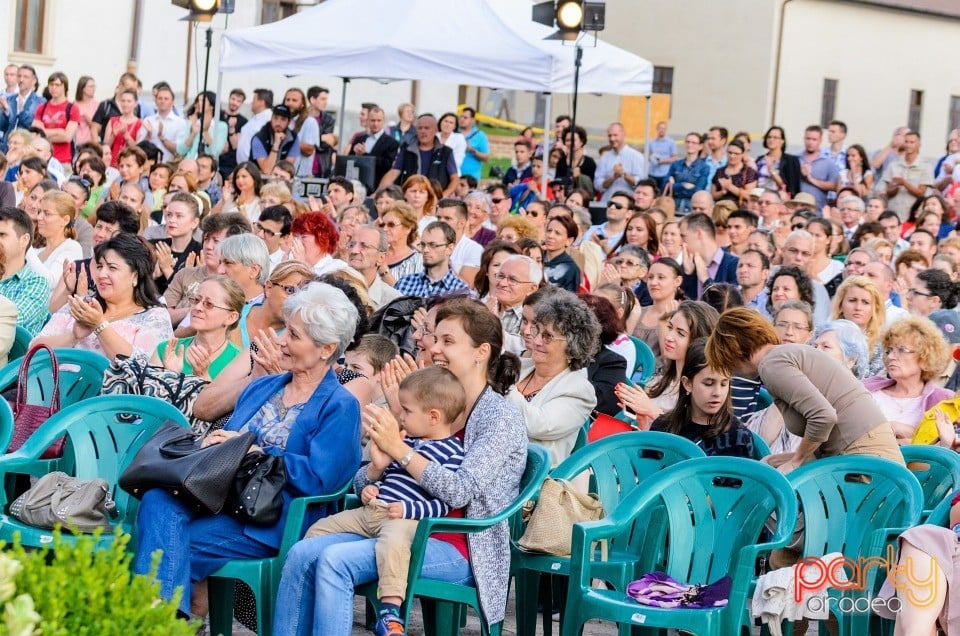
x: 846, y: 499
x: 938, y: 471
x: 713, y: 507
x: 21, y: 342
x: 102, y: 438
x: 764, y: 399
x: 81, y: 376
x: 760, y: 448
x: 621, y: 462
x: 646, y: 362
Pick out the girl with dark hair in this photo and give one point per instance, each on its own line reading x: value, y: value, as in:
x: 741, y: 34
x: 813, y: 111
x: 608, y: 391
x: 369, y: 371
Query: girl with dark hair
x: 319, y: 575
x: 663, y: 285
x: 125, y: 130
x: 558, y: 267
x: 451, y: 137
x: 777, y: 170
x: 702, y: 414
x: 241, y: 193
x: 857, y: 172
x: 734, y: 181
x: 86, y: 103
x: 493, y: 256
x: 124, y: 315
x: 214, y: 132
x: 932, y: 289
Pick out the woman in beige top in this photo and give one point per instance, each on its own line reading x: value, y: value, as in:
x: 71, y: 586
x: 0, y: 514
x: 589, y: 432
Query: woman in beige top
x: 819, y: 398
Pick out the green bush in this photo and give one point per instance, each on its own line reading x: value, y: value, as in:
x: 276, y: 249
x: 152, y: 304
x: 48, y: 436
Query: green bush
x: 78, y: 589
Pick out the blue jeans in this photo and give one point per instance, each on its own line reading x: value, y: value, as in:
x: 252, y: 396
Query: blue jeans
x: 194, y: 545
x: 319, y: 574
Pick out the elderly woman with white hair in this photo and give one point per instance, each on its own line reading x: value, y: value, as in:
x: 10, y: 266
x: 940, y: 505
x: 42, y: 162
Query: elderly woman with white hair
x: 303, y: 415
x: 245, y: 259
x: 478, y: 218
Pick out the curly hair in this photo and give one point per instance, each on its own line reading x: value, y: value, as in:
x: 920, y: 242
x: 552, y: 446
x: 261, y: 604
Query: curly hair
x: 804, y: 285
x: 523, y: 226
x: 407, y: 217
x: 573, y: 318
x: 923, y: 336
x: 879, y: 316
x: 320, y: 227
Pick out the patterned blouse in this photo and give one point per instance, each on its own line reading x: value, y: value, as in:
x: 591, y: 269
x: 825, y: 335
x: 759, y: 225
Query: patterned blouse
x: 144, y: 330
x: 274, y: 421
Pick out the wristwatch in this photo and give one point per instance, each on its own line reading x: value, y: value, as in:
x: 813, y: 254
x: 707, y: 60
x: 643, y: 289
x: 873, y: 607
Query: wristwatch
x: 405, y: 461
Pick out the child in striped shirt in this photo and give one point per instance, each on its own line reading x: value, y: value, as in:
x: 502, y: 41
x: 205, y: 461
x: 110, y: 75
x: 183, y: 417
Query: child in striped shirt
x: 431, y: 401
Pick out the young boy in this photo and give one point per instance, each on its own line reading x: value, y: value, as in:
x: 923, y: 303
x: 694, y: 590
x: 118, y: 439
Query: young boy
x: 431, y: 400
x: 369, y: 357
x: 130, y: 163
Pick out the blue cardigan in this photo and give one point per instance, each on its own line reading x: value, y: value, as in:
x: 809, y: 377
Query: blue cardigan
x: 322, y: 451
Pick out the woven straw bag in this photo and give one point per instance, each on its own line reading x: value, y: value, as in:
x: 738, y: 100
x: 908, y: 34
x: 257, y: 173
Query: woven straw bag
x: 550, y: 526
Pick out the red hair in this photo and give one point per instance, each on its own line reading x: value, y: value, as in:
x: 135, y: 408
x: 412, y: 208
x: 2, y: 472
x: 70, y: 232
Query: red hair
x: 320, y: 227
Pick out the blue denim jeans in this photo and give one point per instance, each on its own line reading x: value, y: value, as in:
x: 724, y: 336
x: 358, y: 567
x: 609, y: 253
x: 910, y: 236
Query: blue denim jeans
x: 194, y: 545
x: 319, y: 574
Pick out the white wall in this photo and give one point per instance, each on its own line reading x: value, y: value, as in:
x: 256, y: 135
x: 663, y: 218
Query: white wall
x: 878, y: 56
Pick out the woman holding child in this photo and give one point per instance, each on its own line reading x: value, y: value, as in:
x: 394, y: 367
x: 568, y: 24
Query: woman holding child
x: 318, y: 579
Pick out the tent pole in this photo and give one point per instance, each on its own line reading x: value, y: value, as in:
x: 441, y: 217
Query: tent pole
x: 646, y: 133
x: 343, y: 105
x: 546, y: 141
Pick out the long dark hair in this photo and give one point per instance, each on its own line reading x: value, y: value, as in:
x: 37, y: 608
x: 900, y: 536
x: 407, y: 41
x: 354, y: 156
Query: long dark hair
x: 138, y: 256
x: 702, y: 319
x: 653, y: 243
x: 481, y: 325
x: 721, y: 421
x: 253, y: 170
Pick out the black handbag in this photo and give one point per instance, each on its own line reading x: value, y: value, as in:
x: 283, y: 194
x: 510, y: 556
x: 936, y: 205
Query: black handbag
x: 257, y: 495
x: 173, y: 459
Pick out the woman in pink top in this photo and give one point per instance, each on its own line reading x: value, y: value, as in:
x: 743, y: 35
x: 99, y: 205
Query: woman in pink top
x: 87, y: 104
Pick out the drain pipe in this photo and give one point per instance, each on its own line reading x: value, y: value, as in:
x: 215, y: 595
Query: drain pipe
x: 775, y: 91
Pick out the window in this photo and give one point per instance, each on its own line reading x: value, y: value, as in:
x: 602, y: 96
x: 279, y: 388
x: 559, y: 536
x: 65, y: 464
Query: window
x: 828, y: 104
x: 28, y: 26
x: 916, y: 106
x: 275, y: 10
x: 663, y: 80
x: 954, y: 116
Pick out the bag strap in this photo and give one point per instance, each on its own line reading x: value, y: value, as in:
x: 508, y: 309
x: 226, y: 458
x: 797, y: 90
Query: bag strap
x: 24, y: 375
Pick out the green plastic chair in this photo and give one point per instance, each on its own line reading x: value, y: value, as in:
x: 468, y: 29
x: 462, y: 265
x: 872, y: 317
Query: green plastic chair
x: 21, y: 342
x: 714, y: 509
x: 262, y: 575
x: 81, y: 377
x: 764, y: 399
x: 938, y: 471
x: 99, y: 444
x: 617, y: 465
x: 853, y: 505
x: 646, y: 362
x: 760, y: 448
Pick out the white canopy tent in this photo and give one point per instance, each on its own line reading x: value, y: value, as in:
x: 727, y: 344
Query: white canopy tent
x: 490, y: 43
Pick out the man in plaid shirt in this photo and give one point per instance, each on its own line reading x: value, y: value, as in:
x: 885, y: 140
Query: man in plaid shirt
x: 28, y: 289
x: 437, y: 278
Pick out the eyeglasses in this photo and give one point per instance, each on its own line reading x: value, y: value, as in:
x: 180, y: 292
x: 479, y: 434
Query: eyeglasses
x: 424, y: 332
x: 205, y: 303
x: 389, y: 224
x: 259, y: 228
x: 854, y: 264
x: 900, y: 351
x: 290, y: 290
x: 625, y: 262
x: 916, y: 292
x: 798, y: 226
x: 433, y: 246
x: 510, y: 280
x: 363, y: 245
x: 546, y: 338
x: 791, y: 326
x: 797, y: 251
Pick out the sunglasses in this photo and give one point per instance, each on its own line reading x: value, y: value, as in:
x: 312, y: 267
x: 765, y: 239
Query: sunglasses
x: 496, y: 201
x: 389, y: 224
x: 798, y: 226
x: 614, y: 204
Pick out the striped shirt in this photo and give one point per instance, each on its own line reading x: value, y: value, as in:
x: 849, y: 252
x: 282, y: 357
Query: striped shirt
x: 397, y: 485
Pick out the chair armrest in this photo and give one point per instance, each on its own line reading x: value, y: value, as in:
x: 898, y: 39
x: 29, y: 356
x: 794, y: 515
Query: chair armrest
x: 297, y: 512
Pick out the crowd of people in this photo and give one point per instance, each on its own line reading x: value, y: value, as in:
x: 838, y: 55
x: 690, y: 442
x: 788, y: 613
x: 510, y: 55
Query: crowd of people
x: 416, y: 337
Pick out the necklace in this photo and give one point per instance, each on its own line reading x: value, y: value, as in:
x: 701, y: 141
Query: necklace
x: 526, y: 392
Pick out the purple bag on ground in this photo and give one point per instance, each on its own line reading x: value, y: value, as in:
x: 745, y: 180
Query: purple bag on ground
x: 660, y: 590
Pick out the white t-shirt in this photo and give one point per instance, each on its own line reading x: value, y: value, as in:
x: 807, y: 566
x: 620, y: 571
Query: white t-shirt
x: 52, y: 267
x: 174, y: 127
x: 309, y: 134
x: 467, y: 253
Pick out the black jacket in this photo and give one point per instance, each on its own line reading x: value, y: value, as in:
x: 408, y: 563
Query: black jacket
x: 790, y: 173
x: 384, y: 151
x: 410, y: 164
x: 607, y: 370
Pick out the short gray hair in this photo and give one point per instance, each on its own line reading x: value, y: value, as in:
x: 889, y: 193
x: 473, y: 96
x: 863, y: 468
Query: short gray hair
x: 482, y: 197
x: 796, y: 305
x: 247, y: 249
x: 576, y: 322
x: 857, y: 202
x: 535, y: 271
x: 581, y: 217
x: 383, y: 244
x: 329, y: 315
x: 641, y: 254
x: 799, y: 234
x: 852, y: 342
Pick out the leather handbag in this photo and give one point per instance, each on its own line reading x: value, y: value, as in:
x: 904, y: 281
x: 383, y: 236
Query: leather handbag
x: 27, y: 418
x: 560, y: 505
x: 174, y: 460
x: 57, y: 499
x: 257, y: 496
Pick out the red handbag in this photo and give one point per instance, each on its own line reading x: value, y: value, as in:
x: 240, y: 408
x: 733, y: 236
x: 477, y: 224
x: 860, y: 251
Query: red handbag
x: 27, y: 418
x: 604, y: 426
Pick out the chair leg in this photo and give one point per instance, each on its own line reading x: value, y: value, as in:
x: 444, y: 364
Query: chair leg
x: 221, y: 605
x: 266, y: 608
x: 528, y: 585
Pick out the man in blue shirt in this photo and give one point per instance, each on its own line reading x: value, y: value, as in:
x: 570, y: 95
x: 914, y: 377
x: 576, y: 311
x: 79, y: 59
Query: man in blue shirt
x: 717, y: 146
x: 437, y: 278
x: 18, y: 111
x: 818, y: 173
x: 663, y: 152
x: 478, y: 146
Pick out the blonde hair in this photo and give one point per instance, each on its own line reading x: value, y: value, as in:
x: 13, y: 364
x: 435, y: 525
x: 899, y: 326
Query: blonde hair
x: 667, y: 205
x: 523, y: 226
x: 279, y: 191
x: 235, y: 298
x: 64, y: 204
x: 739, y: 334
x: 931, y: 347
x: 879, y: 317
